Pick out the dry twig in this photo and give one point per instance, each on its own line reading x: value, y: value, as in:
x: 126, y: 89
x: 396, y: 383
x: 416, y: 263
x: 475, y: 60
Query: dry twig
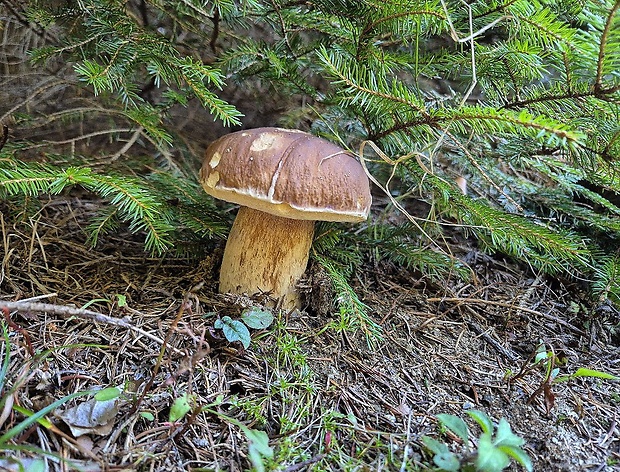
x: 507, y: 305
x: 67, y: 311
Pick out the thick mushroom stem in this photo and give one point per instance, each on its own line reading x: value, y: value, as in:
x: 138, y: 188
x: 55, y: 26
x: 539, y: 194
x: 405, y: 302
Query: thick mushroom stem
x: 266, y: 253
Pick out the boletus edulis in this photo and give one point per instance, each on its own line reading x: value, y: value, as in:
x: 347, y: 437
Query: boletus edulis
x: 284, y: 180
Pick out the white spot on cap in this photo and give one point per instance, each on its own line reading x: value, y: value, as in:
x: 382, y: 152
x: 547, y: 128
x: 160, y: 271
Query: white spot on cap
x: 264, y: 141
x: 215, y: 160
x: 274, y: 180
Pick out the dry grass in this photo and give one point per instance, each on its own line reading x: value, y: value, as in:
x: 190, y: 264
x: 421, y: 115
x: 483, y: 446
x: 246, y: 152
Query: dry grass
x: 325, y: 398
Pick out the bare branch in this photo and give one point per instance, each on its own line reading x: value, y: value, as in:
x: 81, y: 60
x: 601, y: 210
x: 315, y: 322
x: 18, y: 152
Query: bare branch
x: 67, y: 311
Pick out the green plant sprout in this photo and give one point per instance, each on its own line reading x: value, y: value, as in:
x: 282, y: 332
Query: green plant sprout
x: 493, y: 450
x: 237, y: 330
x: 180, y: 407
x: 258, y: 448
x: 545, y: 357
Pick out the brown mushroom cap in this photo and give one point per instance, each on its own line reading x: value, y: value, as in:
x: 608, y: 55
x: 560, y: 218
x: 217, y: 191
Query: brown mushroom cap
x: 287, y: 173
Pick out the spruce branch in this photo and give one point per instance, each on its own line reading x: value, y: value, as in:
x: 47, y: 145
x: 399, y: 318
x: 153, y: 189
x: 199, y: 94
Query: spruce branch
x: 112, y: 51
x: 399, y: 245
x: 556, y: 132
x: 551, y: 31
x: 105, y: 222
x: 356, y: 78
x: 354, y: 313
x: 606, y: 283
x: 145, y: 207
x: 486, y: 120
x: 598, y: 83
x: 391, y: 19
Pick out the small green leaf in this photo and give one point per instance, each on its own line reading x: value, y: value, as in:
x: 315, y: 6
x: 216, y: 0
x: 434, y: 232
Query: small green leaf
x: 541, y: 353
x: 456, y: 425
x: 434, y: 446
x: 490, y: 458
x: 107, y: 394
x: 234, y: 330
x: 180, y: 408
x: 505, y: 437
x: 257, y: 318
x: 519, y: 455
x: 482, y: 419
x: 583, y: 372
x: 256, y: 459
x: 121, y: 300
x: 260, y: 441
x: 447, y: 461
x: 23, y: 463
x: 258, y: 448
x: 147, y: 415
x: 37, y: 465
x: 554, y: 373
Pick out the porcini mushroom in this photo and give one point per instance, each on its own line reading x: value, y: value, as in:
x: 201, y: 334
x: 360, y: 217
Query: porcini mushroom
x: 284, y: 180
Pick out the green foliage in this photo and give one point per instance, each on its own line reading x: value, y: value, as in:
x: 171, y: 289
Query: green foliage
x: 144, y: 204
x: 259, y: 450
x: 113, y: 54
x: 107, y: 394
x: 521, y: 98
x: 353, y: 312
x: 234, y: 330
x: 257, y: 318
x: 533, y: 142
x: 549, y: 361
x: 590, y: 373
x: 494, y: 448
x: 607, y: 279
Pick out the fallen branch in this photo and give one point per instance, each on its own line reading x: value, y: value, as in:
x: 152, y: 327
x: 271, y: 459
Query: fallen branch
x: 66, y: 311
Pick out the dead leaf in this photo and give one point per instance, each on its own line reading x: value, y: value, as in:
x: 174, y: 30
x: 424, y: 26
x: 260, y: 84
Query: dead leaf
x: 91, y: 417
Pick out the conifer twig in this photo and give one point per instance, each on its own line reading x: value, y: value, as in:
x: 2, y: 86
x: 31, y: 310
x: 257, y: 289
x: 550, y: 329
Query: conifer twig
x: 127, y: 145
x: 598, y: 83
x: 66, y: 311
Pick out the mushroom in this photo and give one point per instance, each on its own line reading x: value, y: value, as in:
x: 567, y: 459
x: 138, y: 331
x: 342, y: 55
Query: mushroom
x: 284, y: 181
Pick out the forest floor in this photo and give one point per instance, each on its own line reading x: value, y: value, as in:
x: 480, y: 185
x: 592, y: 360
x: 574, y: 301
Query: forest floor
x: 327, y: 398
